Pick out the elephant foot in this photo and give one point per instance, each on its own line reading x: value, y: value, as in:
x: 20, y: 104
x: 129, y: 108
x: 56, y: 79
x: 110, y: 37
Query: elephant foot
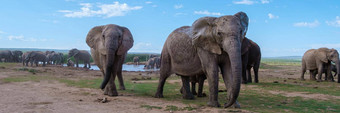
x: 121, y: 88
x: 188, y: 96
x: 318, y: 80
x: 194, y: 93
x: 249, y: 81
x: 244, y: 82
x: 330, y: 80
x: 181, y: 90
x: 302, y: 79
x: 236, y: 105
x: 256, y: 81
x: 159, y: 95
x: 214, y: 104
x: 202, y: 95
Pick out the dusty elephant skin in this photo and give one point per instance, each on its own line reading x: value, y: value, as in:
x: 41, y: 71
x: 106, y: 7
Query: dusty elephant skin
x: 315, y: 60
x: 251, y: 58
x: 36, y: 57
x: 210, y: 43
x: 109, y: 45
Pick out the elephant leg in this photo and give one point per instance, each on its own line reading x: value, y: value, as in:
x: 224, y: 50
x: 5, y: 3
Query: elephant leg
x: 256, y: 72
x: 120, y: 77
x: 249, y: 79
x: 193, y: 87
x: 320, y: 68
x: 303, y: 70
x: 111, y: 86
x: 89, y: 64
x: 165, y: 72
x: 244, y: 67
x: 186, y: 88
x: 200, y: 85
x: 77, y: 65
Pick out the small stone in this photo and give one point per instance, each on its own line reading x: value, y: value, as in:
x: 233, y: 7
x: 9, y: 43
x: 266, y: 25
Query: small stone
x: 275, y: 82
x: 80, y: 100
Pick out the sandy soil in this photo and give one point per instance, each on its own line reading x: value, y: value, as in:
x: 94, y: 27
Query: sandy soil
x: 50, y: 96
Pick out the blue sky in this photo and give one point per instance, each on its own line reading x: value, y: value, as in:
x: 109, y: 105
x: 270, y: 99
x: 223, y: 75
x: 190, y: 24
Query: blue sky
x: 280, y: 27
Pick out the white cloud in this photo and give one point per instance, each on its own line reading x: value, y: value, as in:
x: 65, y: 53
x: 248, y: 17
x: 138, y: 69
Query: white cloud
x: 148, y: 2
x: 271, y: 16
x: 307, y: 24
x: 105, y: 10
x: 178, y: 14
x: 244, y: 2
x: 264, y: 1
x: 315, y: 46
x: 178, y: 6
x: 335, y: 23
x: 22, y: 38
x: 207, y: 13
x: 2, y: 32
x: 145, y: 47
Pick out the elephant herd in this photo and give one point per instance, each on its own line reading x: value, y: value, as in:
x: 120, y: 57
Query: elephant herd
x: 153, y: 62
x: 47, y: 57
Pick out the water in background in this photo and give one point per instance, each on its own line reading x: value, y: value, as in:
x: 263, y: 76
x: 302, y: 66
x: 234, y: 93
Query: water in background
x: 125, y: 67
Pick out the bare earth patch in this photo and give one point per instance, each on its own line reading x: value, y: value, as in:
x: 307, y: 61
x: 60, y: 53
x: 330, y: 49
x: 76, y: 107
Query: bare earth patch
x: 305, y: 95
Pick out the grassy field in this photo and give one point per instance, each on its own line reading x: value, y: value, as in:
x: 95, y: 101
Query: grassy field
x: 254, y: 97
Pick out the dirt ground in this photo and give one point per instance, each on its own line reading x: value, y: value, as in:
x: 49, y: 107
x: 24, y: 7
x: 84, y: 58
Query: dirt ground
x: 52, y: 96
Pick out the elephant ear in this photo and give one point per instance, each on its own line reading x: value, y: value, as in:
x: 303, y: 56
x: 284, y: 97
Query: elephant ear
x: 244, y: 20
x: 203, y: 35
x: 126, y: 42
x: 321, y: 54
x: 245, y: 45
x: 93, y: 39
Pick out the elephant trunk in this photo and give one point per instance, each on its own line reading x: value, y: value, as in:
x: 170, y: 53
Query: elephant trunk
x: 108, y: 71
x: 234, y: 53
x: 337, y: 64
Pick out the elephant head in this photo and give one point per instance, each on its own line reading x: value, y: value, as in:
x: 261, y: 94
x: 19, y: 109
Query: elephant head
x: 110, y: 40
x: 17, y: 54
x: 223, y: 34
x: 73, y: 52
x: 326, y: 55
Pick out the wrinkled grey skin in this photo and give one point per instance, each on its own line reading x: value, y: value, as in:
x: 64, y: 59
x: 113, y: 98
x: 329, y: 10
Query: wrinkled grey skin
x: 157, y: 61
x: 205, y: 47
x: 324, y: 71
x: 60, y: 59
x: 49, y: 52
x: 70, y: 63
x: 150, y: 64
x: 251, y: 58
x: 17, y: 56
x: 36, y: 57
x: 7, y: 55
x: 315, y: 60
x: 109, y: 45
x: 82, y: 55
x: 136, y: 60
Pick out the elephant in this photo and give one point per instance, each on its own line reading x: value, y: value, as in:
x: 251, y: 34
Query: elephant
x: 56, y: 58
x: 153, y: 55
x: 109, y: 45
x: 17, y: 55
x: 36, y: 57
x: 251, y: 58
x: 49, y: 52
x: 7, y: 55
x: 157, y: 61
x: 324, y: 70
x: 197, y: 79
x: 210, y: 44
x: 315, y: 60
x: 70, y: 63
x: 136, y: 60
x: 150, y: 64
x: 80, y: 55
x: 23, y: 58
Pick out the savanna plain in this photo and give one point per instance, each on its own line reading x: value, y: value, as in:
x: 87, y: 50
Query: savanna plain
x: 72, y: 90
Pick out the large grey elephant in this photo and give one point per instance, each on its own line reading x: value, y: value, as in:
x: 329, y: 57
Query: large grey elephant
x: 210, y: 44
x: 23, y: 58
x: 17, y: 55
x: 251, y: 58
x: 109, y: 45
x: 136, y: 60
x: 36, y: 57
x: 6, y: 55
x: 315, y: 60
x: 82, y: 55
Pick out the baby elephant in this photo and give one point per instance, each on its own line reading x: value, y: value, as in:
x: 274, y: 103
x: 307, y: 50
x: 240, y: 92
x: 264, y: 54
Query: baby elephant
x: 251, y: 58
x: 70, y: 63
x: 333, y: 68
x: 196, y: 79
